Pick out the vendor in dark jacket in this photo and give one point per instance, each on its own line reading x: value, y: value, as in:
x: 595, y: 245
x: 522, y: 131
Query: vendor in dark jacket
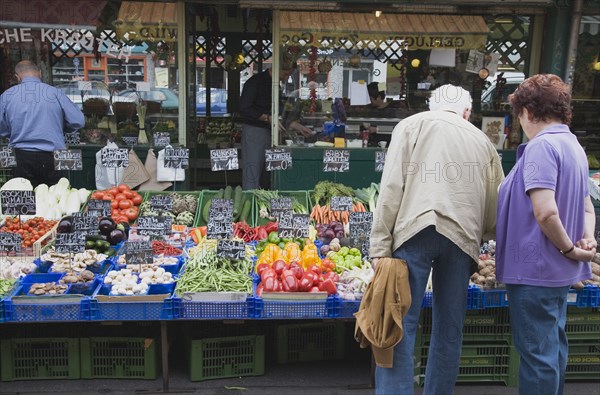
x: 255, y: 110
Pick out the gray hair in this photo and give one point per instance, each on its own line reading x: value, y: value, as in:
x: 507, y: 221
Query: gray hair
x: 26, y: 67
x: 451, y: 98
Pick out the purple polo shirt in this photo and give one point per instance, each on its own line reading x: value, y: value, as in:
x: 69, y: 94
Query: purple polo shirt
x: 555, y: 160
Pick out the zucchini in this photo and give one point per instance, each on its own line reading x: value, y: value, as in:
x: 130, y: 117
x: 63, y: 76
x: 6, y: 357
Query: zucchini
x: 245, y: 211
x: 237, y: 200
x: 206, y: 208
x: 228, y: 192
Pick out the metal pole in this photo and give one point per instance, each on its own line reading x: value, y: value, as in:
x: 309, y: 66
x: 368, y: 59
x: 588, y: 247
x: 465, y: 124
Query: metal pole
x: 573, y: 38
x: 275, y: 79
x: 164, y: 342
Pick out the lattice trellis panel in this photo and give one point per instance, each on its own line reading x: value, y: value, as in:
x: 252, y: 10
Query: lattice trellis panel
x: 511, y: 41
x: 253, y: 52
x: 216, y: 50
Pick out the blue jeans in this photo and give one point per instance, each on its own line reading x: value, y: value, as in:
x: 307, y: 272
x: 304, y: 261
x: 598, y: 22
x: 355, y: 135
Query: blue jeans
x: 426, y: 250
x: 537, y: 318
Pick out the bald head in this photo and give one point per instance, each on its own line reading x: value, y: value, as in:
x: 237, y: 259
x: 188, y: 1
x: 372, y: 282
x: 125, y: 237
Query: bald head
x: 27, y: 68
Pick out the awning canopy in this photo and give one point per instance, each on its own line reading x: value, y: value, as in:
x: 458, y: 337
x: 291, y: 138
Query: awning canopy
x: 147, y: 21
x: 417, y: 31
x: 50, y: 13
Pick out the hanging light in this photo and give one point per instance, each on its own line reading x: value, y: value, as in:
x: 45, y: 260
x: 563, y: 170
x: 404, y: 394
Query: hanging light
x: 378, y: 13
x: 415, y: 63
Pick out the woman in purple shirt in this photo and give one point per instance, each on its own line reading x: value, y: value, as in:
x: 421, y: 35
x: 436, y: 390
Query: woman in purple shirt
x: 545, y: 231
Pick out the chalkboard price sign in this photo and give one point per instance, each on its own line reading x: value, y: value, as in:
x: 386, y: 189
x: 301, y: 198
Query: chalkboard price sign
x: 336, y: 160
x: 10, y: 242
x: 341, y: 203
x: 360, y: 223
x: 279, y: 205
x: 177, y: 158
x: 100, y: 208
x: 130, y: 141
x: 73, y: 138
x: 224, y: 159
x: 379, y: 161
x: 231, y: 249
x: 278, y: 159
x: 86, y: 223
x: 153, y: 225
x: 70, y: 243
x: 162, y: 139
x: 68, y: 160
x: 363, y: 243
x: 161, y: 202
x: 293, y: 225
x: 220, y: 216
x: 113, y: 158
x: 18, y: 202
x: 138, y: 252
x: 7, y: 157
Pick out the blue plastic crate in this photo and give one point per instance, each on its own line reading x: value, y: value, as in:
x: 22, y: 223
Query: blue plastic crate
x: 35, y: 311
x: 2, y: 310
x: 167, y: 309
x: 41, y: 278
x: 589, y: 296
x: 173, y: 269
x: 494, y: 298
x: 427, y: 299
x: 473, y: 298
x: 279, y: 309
x: 218, y: 309
x: 346, y: 308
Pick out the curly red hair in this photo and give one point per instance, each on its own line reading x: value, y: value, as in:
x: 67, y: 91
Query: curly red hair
x: 545, y: 96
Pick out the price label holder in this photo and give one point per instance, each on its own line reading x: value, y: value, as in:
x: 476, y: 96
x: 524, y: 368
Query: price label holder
x: 18, y: 202
x: 85, y: 223
x: 336, y: 160
x: 278, y: 159
x: 224, y: 159
x: 10, y: 242
x: 220, y: 216
x: 73, y: 138
x: 154, y: 226
x: 138, y: 252
x: 231, y: 249
x: 70, y: 160
x: 280, y: 205
x: 70, y: 243
x: 100, y: 208
x: 341, y: 203
x: 130, y: 141
x: 293, y: 225
x: 161, y: 203
x: 7, y: 157
x: 162, y: 139
x: 380, y: 161
x: 177, y: 158
x: 113, y: 158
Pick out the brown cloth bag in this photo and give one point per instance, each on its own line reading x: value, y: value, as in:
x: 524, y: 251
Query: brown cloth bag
x: 384, y: 304
x: 152, y: 184
x: 135, y: 174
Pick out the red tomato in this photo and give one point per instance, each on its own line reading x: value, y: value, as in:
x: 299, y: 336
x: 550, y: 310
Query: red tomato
x: 120, y: 196
x: 121, y: 218
x: 123, y: 187
x: 125, y: 204
x: 128, y: 194
x: 131, y: 214
x: 98, y: 195
x: 114, y: 204
x: 137, y: 199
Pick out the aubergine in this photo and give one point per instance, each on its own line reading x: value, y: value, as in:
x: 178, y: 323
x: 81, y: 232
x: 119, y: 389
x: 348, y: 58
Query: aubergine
x: 116, y: 236
x: 124, y: 226
x: 106, y: 225
x: 65, y: 225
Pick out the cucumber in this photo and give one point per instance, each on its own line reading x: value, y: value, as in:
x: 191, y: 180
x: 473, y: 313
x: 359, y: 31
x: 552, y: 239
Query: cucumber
x: 237, y: 200
x: 245, y: 211
x: 206, y: 208
x: 228, y: 192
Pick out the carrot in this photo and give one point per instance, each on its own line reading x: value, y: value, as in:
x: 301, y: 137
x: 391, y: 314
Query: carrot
x: 319, y: 214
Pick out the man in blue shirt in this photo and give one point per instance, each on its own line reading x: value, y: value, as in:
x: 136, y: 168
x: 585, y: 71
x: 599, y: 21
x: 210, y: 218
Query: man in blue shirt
x: 34, y: 116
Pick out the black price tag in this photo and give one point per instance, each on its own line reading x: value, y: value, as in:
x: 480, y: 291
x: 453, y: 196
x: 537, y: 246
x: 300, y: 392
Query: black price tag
x: 154, y: 226
x: 341, y: 203
x: 363, y: 243
x: 138, y: 252
x: 68, y: 160
x: 278, y: 159
x: 231, y: 249
x: 7, y: 157
x: 177, y: 158
x: 280, y: 205
x: 18, y: 202
x: 336, y: 160
x: 10, y: 242
x: 161, y: 202
x: 130, y: 141
x: 86, y: 223
x: 70, y: 243
x: 224, y: 159
x: 113, y: 158
x: 360, y: 223
x: 379, y: 161
x: 220, y: 216
x: 73, y: 138
x: 293, y: 225
x: 100, y: 208
x: 162, y: 139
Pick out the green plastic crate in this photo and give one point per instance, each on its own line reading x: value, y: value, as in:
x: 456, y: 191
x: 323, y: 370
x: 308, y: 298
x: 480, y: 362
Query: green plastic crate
x: 583, y: 362
x: 39, y: 359
x: 310, y: 342
x: 119, y: 358
x: 300, y: 196
x: 208, y: 195
x: 480, y: 325
x: 224, y: 357
x: 582, y: 323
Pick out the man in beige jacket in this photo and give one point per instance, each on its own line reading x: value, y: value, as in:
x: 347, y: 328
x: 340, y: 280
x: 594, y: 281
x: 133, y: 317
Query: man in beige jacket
x: 438, y: 198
